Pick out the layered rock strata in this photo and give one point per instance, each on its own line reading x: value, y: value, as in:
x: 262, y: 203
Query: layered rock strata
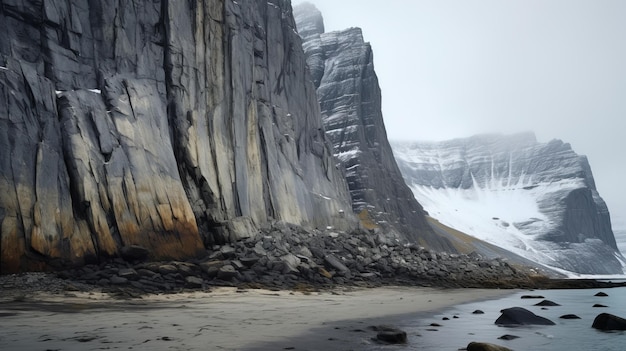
x: 342, y: 68
x: 538, y: 200
x: 165, y: 124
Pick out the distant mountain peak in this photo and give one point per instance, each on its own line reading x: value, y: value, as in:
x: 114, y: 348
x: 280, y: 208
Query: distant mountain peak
x: 535, y: 199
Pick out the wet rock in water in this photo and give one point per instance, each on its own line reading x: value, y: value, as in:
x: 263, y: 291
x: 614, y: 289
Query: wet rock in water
x: 134, y: 253
x: 392, y: 336
x: 445, y: 319
x: 435, y: 325
x: 599, y: 305
x: 547, y: 303
x: 508, y: 337
x: 569, y: 316
x: 601, y: 294
x: 483, y: 346
x: 478, y: 312
x: 521, y: 316
x: 607, y: 321
x: 532, y: 297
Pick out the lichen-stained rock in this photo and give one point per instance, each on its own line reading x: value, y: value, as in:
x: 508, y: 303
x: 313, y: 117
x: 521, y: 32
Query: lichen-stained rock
x: 342, y: 68
x: 161, y: 124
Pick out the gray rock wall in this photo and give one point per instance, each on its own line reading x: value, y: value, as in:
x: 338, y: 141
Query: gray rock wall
x: 167, y: 124
x: 342, y: 69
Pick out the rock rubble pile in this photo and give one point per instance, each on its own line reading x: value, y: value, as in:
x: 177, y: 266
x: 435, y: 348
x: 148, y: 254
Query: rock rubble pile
x: 290, y: 257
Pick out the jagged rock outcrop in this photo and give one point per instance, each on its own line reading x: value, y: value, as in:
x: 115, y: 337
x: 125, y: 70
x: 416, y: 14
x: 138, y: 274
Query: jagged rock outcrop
x: 538, y: 200
x: 165, y: 124
x: 342, y: 69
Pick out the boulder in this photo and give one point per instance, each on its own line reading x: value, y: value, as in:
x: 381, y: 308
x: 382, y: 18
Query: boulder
x: 333, y: 263
x: 167, y: 269
x: 601, y: 294
x: 599, y: 305
x: 227, y: 272
x: 521, y: 316
x: 508, y: 337
x: 390, y: 335
x: 193, y: 282
x: 116, y: 280
x: 607, y: 321
x: 532, y: 297
x: 547, y: 303
x: 249, y: 261
x: 569, y: 316
x: 128, y: 273
x: 483, y: 346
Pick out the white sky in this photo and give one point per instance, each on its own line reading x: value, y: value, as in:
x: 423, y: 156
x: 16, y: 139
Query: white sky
x: 455, y: 68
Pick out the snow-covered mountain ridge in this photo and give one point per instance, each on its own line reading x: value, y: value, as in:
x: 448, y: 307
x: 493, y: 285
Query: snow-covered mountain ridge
x: 538, y: 200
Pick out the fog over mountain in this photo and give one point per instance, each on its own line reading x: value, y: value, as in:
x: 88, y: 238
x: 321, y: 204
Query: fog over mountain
x: 452, y: 69
x: 538, y: 200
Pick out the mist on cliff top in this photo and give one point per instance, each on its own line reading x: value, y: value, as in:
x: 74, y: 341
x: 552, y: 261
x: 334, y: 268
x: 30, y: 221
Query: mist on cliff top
x: 451, y: 69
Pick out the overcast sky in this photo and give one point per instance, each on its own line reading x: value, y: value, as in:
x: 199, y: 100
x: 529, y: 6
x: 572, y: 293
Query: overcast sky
x: 450, y: 69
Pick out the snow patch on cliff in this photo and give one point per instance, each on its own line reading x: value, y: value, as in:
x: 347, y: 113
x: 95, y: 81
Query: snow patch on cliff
x: 511, y: 193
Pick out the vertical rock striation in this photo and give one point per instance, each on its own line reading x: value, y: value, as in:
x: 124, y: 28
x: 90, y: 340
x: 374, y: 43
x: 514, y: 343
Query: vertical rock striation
x: 342, y: 69
x: 166, y: 124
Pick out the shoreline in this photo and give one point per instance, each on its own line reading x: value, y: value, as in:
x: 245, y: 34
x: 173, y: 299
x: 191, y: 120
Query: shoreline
x: 225, y: 318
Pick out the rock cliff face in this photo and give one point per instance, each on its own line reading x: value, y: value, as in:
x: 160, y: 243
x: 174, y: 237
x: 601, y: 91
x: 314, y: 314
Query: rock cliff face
x: 166, y: 124
x: 342, y: 69
x: 538, y: 200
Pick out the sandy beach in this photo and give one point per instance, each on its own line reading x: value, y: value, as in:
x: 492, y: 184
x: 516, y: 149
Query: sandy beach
x: 222, y: 319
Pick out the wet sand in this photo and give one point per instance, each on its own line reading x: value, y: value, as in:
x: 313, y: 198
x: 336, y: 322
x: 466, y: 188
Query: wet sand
x: 223, y: 319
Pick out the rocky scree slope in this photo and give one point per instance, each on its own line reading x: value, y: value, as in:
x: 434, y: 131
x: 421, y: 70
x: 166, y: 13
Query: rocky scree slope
x: 342, y: 69
x: 164, y: 124
x: 285, y: 256
x: 538, y: 200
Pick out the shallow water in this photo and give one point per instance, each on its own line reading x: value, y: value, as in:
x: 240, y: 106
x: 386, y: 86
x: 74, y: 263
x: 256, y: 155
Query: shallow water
x: 456, y: 333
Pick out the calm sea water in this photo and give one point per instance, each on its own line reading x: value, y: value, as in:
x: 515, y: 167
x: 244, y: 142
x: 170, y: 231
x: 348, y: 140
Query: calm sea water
x: 570, y: 335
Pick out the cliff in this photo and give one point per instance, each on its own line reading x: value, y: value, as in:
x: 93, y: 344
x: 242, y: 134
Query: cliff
x: 538, y: 200
x: 342, y: 68
x: 166, y: 124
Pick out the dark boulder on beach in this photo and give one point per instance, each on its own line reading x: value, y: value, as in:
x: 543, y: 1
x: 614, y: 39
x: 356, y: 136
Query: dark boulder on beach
x: 601, y: 294
x: 521, y: 316
x: 547, y: 303
x: 478, y: 312
x: 483, y: 346
x: 569, y: 316
x: 607, y: 321
x: 389, y: 334
x: 599, y: 305
x: 508, y: 337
